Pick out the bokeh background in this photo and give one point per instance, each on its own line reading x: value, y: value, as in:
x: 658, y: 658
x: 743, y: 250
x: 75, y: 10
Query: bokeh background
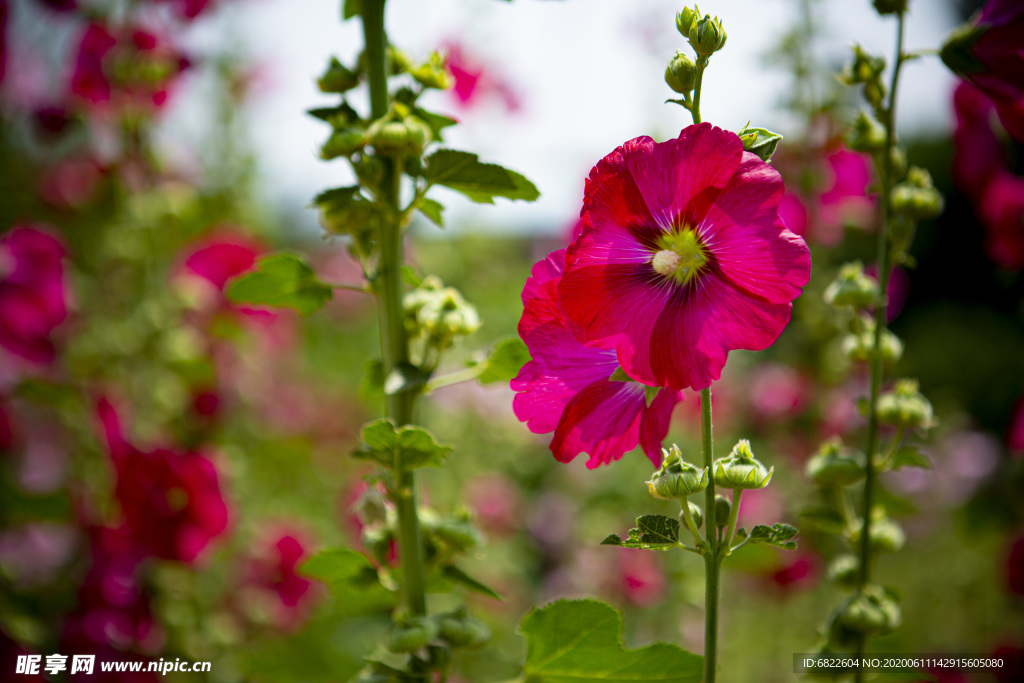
x: 168, y: 459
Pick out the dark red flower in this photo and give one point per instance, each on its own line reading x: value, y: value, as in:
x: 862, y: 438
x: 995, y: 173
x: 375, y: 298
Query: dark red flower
x: 978, y: 154
x: 171, y: 503
x: 189, y: 9
x: 33, y: 296
x: 990, y: 53
x: 682, y: 258
x: 275, y: 569
x: 1015, y: 430
x: 1001, y: 210
x: 567, y: 387
x: 222, y: 256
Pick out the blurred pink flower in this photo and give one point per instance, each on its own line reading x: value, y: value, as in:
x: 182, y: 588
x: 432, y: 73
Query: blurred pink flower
x: 125, y: 68
x: 793, y: 213
x: 641, y: 579
x: 474, y: 82
x: 1015, y: 430
x: 1001, y: 210
x: 495, y: 502
x: 776, y: 391
x: 71, y: 183
x: 189, y: 9
x: 33, y: 295
x: 221, y: 256
x: 171, y: 503
x: 978, y: 153
x: 846, y: 199
x: 33, y: 554
x: 274, y: 568
x: 798, y: 570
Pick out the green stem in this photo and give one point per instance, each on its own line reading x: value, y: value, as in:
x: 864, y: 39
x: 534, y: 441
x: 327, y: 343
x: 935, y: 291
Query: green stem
x: 734, y: 513
x: 884, y: 268
x: 691, y: 524
x: 712, y: 560
x: 455, y: 377
x: 698, y: 80
x: 394, y: 341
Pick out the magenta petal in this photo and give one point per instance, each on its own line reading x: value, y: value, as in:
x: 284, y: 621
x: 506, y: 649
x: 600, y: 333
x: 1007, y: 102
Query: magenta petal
x: 603, y: 421
x: 655, y: 423
x: 751, y: 245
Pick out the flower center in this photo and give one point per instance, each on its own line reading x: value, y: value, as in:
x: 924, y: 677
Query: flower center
x: 680, y: 256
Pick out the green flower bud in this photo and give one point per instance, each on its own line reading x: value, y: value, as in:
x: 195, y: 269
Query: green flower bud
x: 916, y: 197
x: 741, y: 470
x: 723, y: 506
x: 759, y: 141
x: 402, y: 138
x: 431, y: 74
x: 343, y: 143
x: 830, y: 467
x: 337, y: 78
x: 680, y: 73
x: 458, y: 531
x: 905, y: 406
x: 852, y: 288
x: 462, y: 631
x: 898, y: 158
x: 696, y: 512
x: 867, y: 134
x: 707, y: 36
x: 412, y: 635
x: 842, y: 572
x: 860, y: 346
x: 957, y: 52
x: 886, y: 535
x: 676, y: 478
x: 685, y: 20
x: 890, y: 6
x: 870, y: 612
x: 865, y: 68
x: 397, y: 61
x: 439, y: 314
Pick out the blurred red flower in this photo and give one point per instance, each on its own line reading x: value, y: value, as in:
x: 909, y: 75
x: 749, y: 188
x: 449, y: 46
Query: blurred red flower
x: 171, y: 503
x: 275, y: 569
x: 682, y: 258
x: 474, y: 82
x: 33, y: 295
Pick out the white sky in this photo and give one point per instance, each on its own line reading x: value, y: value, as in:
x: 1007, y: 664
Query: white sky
x: 590, y: 72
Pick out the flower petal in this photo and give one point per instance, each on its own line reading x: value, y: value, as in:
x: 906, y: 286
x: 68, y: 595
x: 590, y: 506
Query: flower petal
x: 603, y: 421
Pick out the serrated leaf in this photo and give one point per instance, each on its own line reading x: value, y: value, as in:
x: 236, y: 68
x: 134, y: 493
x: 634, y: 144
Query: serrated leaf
x: 432, y: 210
x: 572, y: 641
x: 282, y: 279
x: 384, y: 444
x: 778, y: 535
x: 352, y: 579
x: 465, y: 173
x: 405, y: 377
x: 456, y: 575
x: 910, y: 456
x: 652, y: 532
x: 505, y: 361
x: 825, y: 518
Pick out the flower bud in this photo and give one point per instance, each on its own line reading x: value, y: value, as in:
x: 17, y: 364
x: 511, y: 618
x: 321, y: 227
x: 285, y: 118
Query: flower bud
x: 463, y: 631
x: 759, y: 141
x: 432, y: 73
x: 676, y: 478
x: 723, y: 506
x: 680, y: 73
x: 696, y: 512
x: 852, y: 287
x: 830, y: 467
x: 871, y: 611
x: 867, y: 134
x: 741, y: 470
x: 884, y: 7
x: 412, y: 635
x: 886, y: 535
x: 957, y: 52
x: 916, y: 197
x: 842, y: 571
x: 337, y: 78
x: 343, y: 143
x: 685, y: 20
x: 905, y: 406
x: 860, y: 346
x: 707, y: 36
x: 439, y: 314
x: 865, y: 68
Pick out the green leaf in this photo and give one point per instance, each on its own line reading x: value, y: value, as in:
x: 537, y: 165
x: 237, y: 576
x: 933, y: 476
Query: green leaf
x: 465, y: 173
x: 282, y: 279
x: 382, y: 443
x: 910, y: 456
x: 432, y: 210
x: 572, y: 641
x: 405, y: 377
x: 505, y: 361
x: 779, y: 535
x: 351, y: 8
x: 437, y: 122
x: 825, y: 518
x: 652, y: 532
x: 344, y: 210
x: 352, y: 579
x: 456, y: 575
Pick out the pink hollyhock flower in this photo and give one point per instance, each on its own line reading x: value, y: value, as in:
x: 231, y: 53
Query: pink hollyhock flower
x: 171, y: 502
x: 795, y: 573
x: 33, y: 296
x: 846, y: 201
x: 640, y: 577
x: 220, y: 257
x: 990, y: 53
x: 129, y: 67
x: 978, y: 153
x: 473, y: 82
x: 1001, y: 210
x: 275, y: 570
x: 793, y: 213
x: 776, y: 391
x: 71, y: 183
x: 1015, y: 430
x: 567, y: 389
x: 683, y: 257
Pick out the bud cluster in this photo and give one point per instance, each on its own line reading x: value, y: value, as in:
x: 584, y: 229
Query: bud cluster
x: 438, y: 314
x: 676, y: 478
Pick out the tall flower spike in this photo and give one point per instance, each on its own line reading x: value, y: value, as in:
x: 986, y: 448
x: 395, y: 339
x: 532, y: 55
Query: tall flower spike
x: 682, y: 258
x: 569, y: 388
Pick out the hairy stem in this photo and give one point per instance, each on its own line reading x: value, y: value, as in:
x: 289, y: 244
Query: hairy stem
x: 712, y: 559
x: 884, y: 268
x: 702, y: 63
x: 394, y: 342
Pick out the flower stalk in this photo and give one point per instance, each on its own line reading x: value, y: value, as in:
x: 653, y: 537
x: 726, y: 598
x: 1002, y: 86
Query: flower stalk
x: 712, y: 549
x: 884, y: 270
x: 393, y: 337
